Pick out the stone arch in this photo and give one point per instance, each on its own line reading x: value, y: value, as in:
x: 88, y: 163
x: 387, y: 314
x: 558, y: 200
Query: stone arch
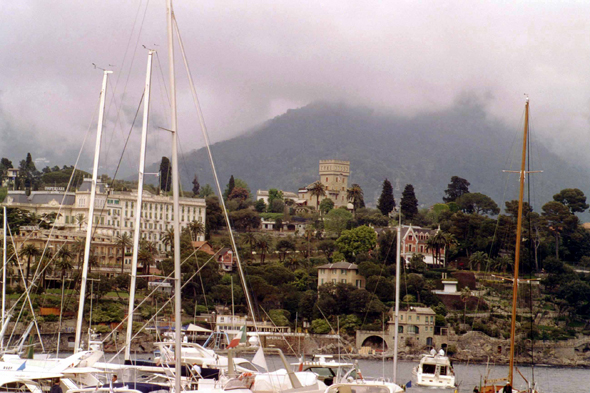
x: 375, y: 342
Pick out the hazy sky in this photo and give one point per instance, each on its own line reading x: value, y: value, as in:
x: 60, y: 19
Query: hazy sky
x: 253, y: 60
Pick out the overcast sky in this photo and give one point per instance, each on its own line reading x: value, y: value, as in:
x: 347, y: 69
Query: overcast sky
x: 253, y: 60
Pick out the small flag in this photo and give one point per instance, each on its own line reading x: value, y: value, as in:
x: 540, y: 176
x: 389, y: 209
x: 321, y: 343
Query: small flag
x: 259, y: 359
x: 239, y: 338
x: 409, y: 384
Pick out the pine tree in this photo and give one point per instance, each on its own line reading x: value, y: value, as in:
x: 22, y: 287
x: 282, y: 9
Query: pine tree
x: 165, y: 174
x: 386, y: 201
x: 196, y: 186
x: 409, y: 203
x: 457, y: 187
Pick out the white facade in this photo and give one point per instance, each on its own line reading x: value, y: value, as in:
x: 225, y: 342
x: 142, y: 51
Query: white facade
x: 114, y: 211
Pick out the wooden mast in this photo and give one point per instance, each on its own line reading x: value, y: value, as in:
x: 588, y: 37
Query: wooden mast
x: 518, y: 240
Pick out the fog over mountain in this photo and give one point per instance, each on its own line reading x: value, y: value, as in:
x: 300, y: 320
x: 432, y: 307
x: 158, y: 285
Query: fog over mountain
x: 424, y: 150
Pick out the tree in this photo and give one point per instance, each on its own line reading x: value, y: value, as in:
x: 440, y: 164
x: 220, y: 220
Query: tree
x: 276, y: 206
x: 245, y: 219
x: 238, y: 194
x: 263, y: 244
x: 64, y: 260
x: 123, y: 241
x: 436, y: 243
x: 213, y: 215
x: 326, y: 205
x: 283, y: 247
x: 5, y: 165
x: 165, y: 174
x: 260, y: 206
x: 357, y: 240
x: 573, y: 198
x: 477, y: 259
x: 409, y: 203
x: 196, y: 228
x: 206, y: 191
x: 196, y: 186
x: 29, y: 251
x: 80, y: 220
x: 230, y: 187
x: 356, y: 196
x: 318, y: 190
x: 477, y: 203
x: 327, y: 247
x: 274, y: 194
x: 337, y: 221
x: 386, y: 202
x: 457, y: 187
x: 558, y: 219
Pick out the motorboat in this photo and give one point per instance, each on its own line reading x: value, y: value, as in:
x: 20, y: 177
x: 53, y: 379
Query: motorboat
x: 364, y: 386
x: 328, y: 370
x: 435, y: 370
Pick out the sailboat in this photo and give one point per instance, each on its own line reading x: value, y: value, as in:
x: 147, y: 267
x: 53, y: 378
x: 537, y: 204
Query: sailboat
x: 499, y: 385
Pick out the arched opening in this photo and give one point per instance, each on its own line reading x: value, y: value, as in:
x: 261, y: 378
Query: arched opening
x: 375, y: 342
x: 429, y: 342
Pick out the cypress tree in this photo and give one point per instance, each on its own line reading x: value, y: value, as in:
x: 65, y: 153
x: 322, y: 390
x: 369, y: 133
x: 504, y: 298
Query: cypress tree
x: 230, y: 187
x: 196, y: 186
x: 386, y: 202
x: 409, y: 203
x: 165, y: 174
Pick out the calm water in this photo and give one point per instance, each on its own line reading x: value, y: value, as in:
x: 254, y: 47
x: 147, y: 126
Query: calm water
x: 548, y: 379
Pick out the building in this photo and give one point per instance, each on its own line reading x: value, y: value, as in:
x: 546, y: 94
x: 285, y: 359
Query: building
x: 114, y: 211
x: 334, y: 176
x: 416, y: 324
x: 225, y: 259
x: 340, y: 272
x: 11, y: 176
x: 104, y: 250
x: 416, y: 329
x: 263, y: 194
x: 415, y: 241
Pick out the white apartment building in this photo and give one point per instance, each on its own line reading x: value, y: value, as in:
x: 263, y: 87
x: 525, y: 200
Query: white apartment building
x: 114, y: 211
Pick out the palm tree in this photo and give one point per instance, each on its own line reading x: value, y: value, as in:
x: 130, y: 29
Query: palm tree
x: 168, y: 238
x: 318, y: 190
x: 436, y: 243
x: 197, y: 228
x: 146, y: 253
x: 250, y: 239
x: 81, y: 220
x: 450, y: 241
x: 263, y: 244
x: 123, y: 241
x: 78, y: 249
x: 29, y: 251
x: 42, y: 266
x: 355, y: 195
x: 64, y: 261
x: 477, y: 259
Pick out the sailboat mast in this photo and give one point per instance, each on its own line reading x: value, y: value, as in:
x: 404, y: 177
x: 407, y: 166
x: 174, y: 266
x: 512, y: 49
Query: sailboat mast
x: 90, y: 218
x: 397, y: 289
x: 3, y: 275
x: 146, y: 110
x: 518, y: 240
x: 175, y: 197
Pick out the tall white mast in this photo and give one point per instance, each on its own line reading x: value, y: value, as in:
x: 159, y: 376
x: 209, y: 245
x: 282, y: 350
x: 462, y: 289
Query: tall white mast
x: 3, y: 276
x: 146, y: 109
x: 175, y: 192
x: 398, y: 259
x: 90, y: 218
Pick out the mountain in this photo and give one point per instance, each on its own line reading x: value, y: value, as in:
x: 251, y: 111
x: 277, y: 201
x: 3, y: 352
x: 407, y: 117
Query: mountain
x: 424, y: 150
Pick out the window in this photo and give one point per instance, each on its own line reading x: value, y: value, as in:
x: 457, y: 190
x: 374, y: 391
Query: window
x: 417, y: 317
x: 400, y: 329
x: 334, y: 280
x: 343, y: 281
x: 343, y: 271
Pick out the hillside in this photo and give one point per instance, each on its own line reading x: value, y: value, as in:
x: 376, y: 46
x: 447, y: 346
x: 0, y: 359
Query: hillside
x: 424, y: 150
